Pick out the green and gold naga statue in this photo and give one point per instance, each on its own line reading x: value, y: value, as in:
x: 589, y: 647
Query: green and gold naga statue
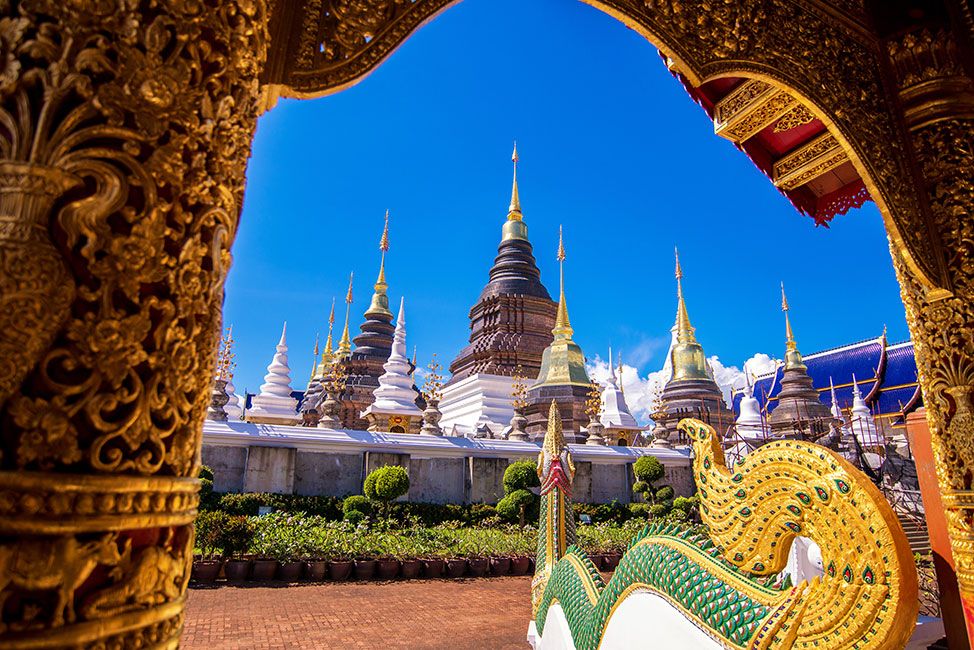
x: 677, y: 587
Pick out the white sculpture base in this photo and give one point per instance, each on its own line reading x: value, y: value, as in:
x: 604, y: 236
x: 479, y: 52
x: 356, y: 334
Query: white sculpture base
x: 270, y: 409
x: 475, y: 401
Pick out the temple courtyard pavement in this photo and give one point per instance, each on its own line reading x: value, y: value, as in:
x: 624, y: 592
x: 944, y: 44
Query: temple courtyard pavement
x: 428, y: 614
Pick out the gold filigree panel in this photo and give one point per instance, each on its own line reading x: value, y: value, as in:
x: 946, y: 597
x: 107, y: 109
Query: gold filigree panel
x: 808, y: 162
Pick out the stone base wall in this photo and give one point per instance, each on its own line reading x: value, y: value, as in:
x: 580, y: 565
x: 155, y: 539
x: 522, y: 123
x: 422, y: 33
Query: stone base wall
x: 296, y: 460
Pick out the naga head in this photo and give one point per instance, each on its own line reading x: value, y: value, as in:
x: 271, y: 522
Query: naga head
x: 552, y: 473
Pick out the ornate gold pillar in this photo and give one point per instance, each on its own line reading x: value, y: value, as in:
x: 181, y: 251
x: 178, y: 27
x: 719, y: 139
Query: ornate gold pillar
x: 937, y: 100
x: 125, y: 127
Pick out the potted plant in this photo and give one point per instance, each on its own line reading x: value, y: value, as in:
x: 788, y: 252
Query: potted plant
x: 386, y: 565
x: 362, y: 547
x: 319, y: 540
x: 209, y: 528
x: 405, y: 550
x: 338, y: 553
x: 235, y: 538
x: 472, y: 547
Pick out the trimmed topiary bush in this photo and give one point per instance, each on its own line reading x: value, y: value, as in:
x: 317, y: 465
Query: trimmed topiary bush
x: 665, y: 493
x: 386, y: 484
x: 520, y: 476
x: 514, y: 506
x: 356, y: 503
x: 649, y: 469
x: 354, y: 517
x: 658, y: 510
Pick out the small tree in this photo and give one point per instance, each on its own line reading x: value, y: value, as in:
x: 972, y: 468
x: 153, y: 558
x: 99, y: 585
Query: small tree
x: 386, y: 484
x: 518, y: 499
x: 648, y: 470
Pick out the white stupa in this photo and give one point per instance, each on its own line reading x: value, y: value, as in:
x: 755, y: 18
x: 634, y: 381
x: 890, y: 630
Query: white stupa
x: 394, y: 408
x: 749, y: 423
x: 834, y: 408
x: 274, y: 404
x: 863, y: 425
x: 616, y: 418
x: 233, y: 408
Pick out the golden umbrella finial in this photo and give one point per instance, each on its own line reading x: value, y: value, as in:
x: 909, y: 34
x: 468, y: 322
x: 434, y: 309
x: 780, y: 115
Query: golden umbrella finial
x: 384, y: 242
x: 793, y: 358
x: 514, y: 211
x: 326, y: 355
x: 684, y: 330
x: 345, y: 344
x: 563, y: 327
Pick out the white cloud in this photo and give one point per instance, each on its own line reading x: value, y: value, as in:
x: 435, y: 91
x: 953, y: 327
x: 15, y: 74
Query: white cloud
x: 643, y: 391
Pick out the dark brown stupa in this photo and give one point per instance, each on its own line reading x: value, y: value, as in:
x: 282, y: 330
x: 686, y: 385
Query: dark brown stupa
x: 511, y: 323
x: 799, y: 413
x: 372, y: 348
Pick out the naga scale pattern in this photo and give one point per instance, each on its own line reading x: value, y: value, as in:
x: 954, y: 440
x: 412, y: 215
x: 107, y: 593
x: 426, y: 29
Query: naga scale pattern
x: 726, y: 582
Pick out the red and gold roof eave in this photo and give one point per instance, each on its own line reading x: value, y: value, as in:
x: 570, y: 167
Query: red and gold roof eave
x: 823, y: 197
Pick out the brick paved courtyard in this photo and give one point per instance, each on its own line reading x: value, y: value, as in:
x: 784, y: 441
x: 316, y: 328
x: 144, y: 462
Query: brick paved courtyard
x: 430, y: 614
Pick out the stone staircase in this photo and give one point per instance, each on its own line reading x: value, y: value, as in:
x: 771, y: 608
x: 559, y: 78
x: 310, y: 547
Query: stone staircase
x: 916, y: 533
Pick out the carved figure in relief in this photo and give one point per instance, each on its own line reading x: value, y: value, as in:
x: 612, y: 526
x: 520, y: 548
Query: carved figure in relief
x: 155, y: 575
x: 61, y: 564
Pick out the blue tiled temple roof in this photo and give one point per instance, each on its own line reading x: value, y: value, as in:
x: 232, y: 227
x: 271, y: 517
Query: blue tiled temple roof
x: 896, y: 378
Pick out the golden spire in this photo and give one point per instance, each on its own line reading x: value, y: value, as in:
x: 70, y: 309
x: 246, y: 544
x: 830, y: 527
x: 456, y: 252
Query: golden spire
x: 684, y: 331
x: 380, y: 301
x: 514, y: 227
x: 686, y: 358
x: 331, y: 326
x: 514, y: 211
x: 563, y: 327
x: 345, y: 344
x: 622, y: 389
x: 314, y: 356
x: 793, y: 358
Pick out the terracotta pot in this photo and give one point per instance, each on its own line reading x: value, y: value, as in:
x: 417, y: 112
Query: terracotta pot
x: 611, y: 561
x: 531, y: 564
x: 410, y: 569
x: 364, y: 569
x: 290, y: 571
x: 341, y: 570
x: 478, y: 566
x: 387, y: 569
x: 500, y: 566
x: 236, y: 570
x: 597, y: 559
x: 433, y: 568
x: 264, y: 570
x: 520, y: 565
x: 206, y: 571
x: 456, y: 568
x: 315, y: 570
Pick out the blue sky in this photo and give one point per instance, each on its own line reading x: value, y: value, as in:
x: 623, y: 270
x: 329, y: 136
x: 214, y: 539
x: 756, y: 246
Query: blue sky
x: 611, y: 147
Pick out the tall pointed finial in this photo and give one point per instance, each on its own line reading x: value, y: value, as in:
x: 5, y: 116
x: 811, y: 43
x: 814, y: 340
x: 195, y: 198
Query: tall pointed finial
x: 514, y: 211
x: 345, y: 344
x: 612, y: 370
x: 331, y: 326
x: 793, y: 358
x: 380, y: 300
x: 563, y: 327
x: 684, y: 331
x: 836, y: 411
x: 314, y: 356
x: 622, y: 389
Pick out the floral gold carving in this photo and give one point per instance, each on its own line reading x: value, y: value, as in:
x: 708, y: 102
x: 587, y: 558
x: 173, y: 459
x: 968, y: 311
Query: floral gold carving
x: 125, y: 128
x: 821, y: 155
x: 798, y: 116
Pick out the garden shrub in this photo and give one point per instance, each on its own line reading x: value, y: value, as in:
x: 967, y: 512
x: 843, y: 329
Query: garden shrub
x: 387, y: 483
x: 658, y: 510
x: 357, y: 503
x: 355, y: 517
x: 511, y: 506
x: 209, y: 532
x: 520, y: 476
x: 639, y: 510
x: 236, y: 536
x: 206, y: 473
x: 648, y: 470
